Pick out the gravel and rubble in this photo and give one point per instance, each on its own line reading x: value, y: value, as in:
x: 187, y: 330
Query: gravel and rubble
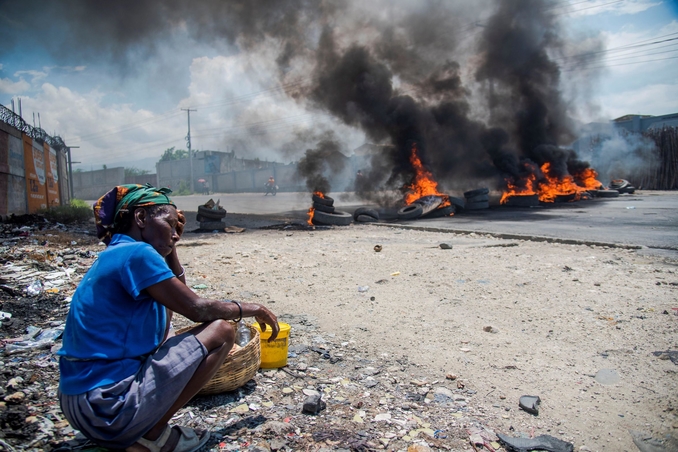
x: 413, y: 347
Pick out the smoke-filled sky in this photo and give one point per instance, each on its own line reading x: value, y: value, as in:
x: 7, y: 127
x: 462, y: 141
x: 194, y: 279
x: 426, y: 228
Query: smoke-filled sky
x: 272, y: 78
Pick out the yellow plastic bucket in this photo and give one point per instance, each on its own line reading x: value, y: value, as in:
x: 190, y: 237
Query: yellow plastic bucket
x: 274, y: 354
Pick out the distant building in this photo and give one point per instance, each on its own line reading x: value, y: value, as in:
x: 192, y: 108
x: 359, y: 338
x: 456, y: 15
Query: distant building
x: 641, y: 123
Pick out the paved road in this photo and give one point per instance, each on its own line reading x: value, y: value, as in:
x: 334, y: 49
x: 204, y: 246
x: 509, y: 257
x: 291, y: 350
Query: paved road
x: 646, y: 219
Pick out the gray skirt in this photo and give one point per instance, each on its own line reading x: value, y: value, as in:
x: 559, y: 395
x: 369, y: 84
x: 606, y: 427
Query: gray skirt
x: 118, y: 414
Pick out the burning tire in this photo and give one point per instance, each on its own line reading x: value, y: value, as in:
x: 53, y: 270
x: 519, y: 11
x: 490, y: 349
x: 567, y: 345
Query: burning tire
x: 522, y: 201
x: 458, y: 203
x: 429, y: 203
x: 442, y: 212
x: 476, y: 192
x: 478, y: 198
x: 333, y: 219
x: 365, y: 212
x: 411, y: 212
x: 211, y: 214
x: 605, y: 193
x: 327, y: 201
x: 323, y: 208
x: 478, y: 205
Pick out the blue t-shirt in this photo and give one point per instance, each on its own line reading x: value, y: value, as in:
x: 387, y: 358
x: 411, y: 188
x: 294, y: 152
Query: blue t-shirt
x: 113, y: 324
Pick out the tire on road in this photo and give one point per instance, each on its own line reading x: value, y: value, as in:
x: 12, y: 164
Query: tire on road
x: 478, y: 198
x: 365, y: 211
x: 476, y: 192
x: 211, y: 214
x: 458, y: 203
x: 325, y: 201
x: 442, y: 212
x: 333, y: 219
x: 606, y: 193
x: 365, y: 219
x: 478, y: 205
x: 323, y: 208
x: 411, y: 212
x: 522, y: 201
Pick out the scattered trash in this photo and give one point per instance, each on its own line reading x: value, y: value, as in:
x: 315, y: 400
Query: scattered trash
x: 363, y: 289
x: 445, y: 246
x: 530, y: 404
x: 34, y: 288
x: 451, y: 376
x: 667, y: 354
x: 378, y: 248
x: 44, y: 339
x: 5, y: 315
x: 395, y: 273
x: 490, y: 329
x: 541, y: 442
x: 200, y: 286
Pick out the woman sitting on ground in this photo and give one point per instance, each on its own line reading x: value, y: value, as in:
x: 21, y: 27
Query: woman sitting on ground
x: 122, y: 377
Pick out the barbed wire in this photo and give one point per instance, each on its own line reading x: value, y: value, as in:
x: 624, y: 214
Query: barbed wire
x: 12, y: 119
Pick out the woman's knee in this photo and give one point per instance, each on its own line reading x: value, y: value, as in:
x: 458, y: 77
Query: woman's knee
x: 216, y: 334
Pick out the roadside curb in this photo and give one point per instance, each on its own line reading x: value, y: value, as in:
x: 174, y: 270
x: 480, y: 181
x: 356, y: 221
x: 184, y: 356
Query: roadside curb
x: 532, y: 238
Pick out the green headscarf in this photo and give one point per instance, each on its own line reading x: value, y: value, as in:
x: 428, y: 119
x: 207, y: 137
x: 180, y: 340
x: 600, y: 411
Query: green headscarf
x: 122, y: 198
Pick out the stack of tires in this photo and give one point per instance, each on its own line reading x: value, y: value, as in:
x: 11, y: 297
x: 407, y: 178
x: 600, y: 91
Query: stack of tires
x: 477, y: 199
x: 622, y: 186
x: 211, y: 218
x: 325, y: 214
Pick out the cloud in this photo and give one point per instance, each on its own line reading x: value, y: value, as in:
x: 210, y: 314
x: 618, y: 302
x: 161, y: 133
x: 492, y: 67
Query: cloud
x: 658, y: 99
x: 8, y: 86
x: 626, y: 7
x: 36, y: 76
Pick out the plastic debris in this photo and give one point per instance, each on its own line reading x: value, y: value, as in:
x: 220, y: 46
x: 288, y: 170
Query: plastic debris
x: 530, y: 404
x: 34, y: 288
x: 541, y: 442
x: 363, y: 289
x: 45, y: 339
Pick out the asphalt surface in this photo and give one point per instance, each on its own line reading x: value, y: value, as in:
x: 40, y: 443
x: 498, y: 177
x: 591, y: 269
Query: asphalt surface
x: 647, y: 220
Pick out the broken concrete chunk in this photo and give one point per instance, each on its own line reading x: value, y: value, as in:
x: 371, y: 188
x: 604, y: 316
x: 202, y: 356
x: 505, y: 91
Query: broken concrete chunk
x: 313, y: 405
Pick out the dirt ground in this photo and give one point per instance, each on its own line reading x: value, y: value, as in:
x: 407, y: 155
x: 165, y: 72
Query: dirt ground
x: 559, y: 314
x: 575, y: 325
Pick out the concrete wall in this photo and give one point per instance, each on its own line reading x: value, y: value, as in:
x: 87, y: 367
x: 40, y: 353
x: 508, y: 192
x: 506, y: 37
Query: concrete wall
x: 12, y: 174
x: 13, y: 184
x: 92, y: 185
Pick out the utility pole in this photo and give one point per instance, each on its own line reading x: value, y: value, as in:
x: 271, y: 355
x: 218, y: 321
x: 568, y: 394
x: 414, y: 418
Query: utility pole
x: 70, y: 169
x: 188, y: 141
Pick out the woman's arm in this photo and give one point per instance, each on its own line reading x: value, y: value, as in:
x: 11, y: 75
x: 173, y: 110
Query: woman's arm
x: 176, y: 296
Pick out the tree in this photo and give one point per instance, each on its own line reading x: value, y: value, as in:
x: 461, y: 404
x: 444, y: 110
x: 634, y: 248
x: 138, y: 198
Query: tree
x: 173, y: 154
x: 130, y: 172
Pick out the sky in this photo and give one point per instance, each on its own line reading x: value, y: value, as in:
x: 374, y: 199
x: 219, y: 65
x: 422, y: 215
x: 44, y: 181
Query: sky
x: 115, y: 78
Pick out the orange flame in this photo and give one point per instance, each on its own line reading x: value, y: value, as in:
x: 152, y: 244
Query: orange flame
x: 311, y: 211
x: 552, y: 186
x: 423, y: 184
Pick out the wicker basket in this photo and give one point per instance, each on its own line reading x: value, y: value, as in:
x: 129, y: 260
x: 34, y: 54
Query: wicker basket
x: 237, y: 369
